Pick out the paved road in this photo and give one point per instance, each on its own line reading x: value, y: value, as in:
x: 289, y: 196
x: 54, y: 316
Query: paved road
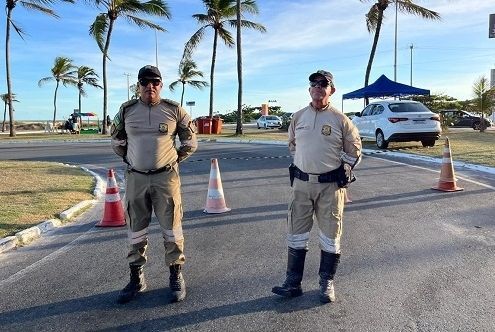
x: 414, y: 259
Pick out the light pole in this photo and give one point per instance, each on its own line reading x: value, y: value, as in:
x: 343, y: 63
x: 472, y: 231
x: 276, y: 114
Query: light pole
x: 190, y: 104
x: 128, y: 96
x: 395, y: 48
x: 411, y: 47
x: 156, y: 50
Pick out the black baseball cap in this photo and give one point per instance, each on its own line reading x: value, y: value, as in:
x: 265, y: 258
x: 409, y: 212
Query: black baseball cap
x: 149, y: 71
x: 322, y: 74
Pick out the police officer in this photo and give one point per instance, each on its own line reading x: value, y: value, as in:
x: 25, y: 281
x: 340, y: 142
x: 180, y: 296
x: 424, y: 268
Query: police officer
x: 143, y: 133
x: 322, y: 141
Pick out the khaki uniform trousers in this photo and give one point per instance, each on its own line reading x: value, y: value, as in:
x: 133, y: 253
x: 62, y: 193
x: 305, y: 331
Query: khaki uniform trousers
x: 321, y: 201
x: 159, y: 192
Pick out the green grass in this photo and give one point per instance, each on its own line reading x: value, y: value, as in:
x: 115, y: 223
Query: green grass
x: 35, y: 191
x: 468, y: 146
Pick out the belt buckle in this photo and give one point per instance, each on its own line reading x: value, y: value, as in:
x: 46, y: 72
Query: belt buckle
x: 313, y: 178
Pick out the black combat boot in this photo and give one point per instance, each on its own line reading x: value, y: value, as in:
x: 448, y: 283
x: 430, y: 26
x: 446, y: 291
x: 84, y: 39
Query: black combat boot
x: 177, y: 283
x: 295, y: 268
x: 328, y: 266
x: 136, y: 284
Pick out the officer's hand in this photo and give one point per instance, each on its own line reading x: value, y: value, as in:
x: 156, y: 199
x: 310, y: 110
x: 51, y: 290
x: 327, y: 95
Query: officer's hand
x: 119, y: 142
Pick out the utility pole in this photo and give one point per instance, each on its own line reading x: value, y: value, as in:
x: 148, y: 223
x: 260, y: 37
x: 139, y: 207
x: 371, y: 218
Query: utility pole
x: 128, y: 96
x: 395, y: 48
x: 156, y: 50
x: 411, y: 47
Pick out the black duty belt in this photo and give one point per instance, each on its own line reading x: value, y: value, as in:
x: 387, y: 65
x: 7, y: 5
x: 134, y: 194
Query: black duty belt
x: 332, y: 176
x: 165, y: 168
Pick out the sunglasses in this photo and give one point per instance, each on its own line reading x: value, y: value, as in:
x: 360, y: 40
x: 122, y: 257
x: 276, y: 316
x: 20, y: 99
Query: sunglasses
x: 319, y: 84
x: 145, y: 82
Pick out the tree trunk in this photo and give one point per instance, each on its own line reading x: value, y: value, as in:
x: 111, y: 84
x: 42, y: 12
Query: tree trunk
x: 105, y: 92
x: 4, y: 116
x: 9, y: 83
x: 212, y: 70
x: 182, y: 95
x: 55, y: 104
x: 238, y: 130
x: 373, y: 50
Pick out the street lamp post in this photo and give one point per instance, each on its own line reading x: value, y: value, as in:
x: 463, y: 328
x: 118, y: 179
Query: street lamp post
x: 411, y: 47
x: 395, y: 48
x: 128, y: 96
x: 190, y: 104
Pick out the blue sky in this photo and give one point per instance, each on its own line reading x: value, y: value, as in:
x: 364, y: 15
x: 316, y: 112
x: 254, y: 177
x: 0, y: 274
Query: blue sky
x: 302, y: 37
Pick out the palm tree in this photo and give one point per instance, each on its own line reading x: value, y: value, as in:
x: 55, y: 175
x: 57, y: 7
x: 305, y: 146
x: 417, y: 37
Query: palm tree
x: 238, y: 128
x: 218, y: 14
x: 374, y: 20
x: 35, y: 5
x: 483, y: 97
x: 102, y: 28
x: 5, y: 99
x: 86, y: 75
x: 187, y: 71
x: 63, y: 71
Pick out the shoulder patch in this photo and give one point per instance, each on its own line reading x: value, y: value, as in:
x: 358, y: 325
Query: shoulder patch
x: 129, y: 103
x: 168, y: 101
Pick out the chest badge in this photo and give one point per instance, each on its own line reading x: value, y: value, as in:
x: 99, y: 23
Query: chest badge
x: 326, y: 130
x: 163, y: 128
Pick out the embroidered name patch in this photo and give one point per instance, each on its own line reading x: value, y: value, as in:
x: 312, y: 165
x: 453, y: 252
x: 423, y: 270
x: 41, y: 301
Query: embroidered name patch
x: 326, y: 130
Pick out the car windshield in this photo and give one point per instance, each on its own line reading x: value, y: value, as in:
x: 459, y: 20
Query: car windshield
x: 271, y: 118
x: 408, y: 107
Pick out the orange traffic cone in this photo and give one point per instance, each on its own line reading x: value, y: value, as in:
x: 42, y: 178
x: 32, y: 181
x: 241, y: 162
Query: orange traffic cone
x: 113, y: 215
x: 347, y: 196
x: 215, y: 201
x: 447, y: 176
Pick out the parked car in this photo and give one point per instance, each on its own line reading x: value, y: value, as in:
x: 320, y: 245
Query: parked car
x: 268, y: 121
x: 398, y: 121
x: 455, y: 118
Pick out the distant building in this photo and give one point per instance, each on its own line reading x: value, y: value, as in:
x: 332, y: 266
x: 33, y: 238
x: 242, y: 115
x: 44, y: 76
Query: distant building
x: 492, y: 78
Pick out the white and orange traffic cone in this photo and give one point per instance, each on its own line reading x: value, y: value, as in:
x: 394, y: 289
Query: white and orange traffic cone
x: 215, y: 200
x: 447, y: 181
x: 113, y: 215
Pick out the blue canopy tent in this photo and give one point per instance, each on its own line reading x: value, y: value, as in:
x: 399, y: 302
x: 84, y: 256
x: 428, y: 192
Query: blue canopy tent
x: 383, y: 87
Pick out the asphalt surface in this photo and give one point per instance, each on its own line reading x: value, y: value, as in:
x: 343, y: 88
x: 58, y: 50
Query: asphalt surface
x: 414, y: 259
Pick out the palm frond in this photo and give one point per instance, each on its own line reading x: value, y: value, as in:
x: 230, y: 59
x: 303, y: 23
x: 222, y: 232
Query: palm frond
x: 193, y: 42
x: 372, y: 18
x: 98, y: 30
x: 173, y: 85
x: 142, y: 23
x: 39, y: 8
x: 226, y: 36
x: 414, y: 9
x: 198, y: 84
x: 156, y: 8
x: 248, y: 24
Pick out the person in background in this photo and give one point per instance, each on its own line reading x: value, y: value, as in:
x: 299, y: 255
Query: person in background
x: 143, y: 134
x: 324, y: 143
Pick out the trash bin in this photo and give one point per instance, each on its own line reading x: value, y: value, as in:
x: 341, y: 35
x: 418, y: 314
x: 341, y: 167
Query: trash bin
x: 216, y: 126
x: 206, y: 125
x: 199, y: 125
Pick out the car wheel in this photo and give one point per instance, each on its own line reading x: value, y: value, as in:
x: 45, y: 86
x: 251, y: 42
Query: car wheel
x: 257, y: 125
x: 380, y: 140
x: 428, y: 143
x: 266, y: 127
x: 476, y: 126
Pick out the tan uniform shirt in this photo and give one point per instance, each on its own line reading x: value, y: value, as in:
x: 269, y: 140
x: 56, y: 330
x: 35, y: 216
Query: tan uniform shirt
x: 151, y: 132
x: 320, y: 140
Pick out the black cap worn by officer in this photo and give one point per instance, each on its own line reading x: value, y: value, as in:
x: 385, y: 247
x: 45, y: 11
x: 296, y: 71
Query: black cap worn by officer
x: 150, y: 72
x: 322, y: 75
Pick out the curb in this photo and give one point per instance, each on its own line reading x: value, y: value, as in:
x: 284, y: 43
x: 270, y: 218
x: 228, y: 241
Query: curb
x: 31, y: 234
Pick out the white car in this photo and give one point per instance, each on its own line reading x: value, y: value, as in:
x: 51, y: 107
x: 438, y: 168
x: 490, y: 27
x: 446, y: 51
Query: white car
x: 398, y: 121
x: 268, y: 121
